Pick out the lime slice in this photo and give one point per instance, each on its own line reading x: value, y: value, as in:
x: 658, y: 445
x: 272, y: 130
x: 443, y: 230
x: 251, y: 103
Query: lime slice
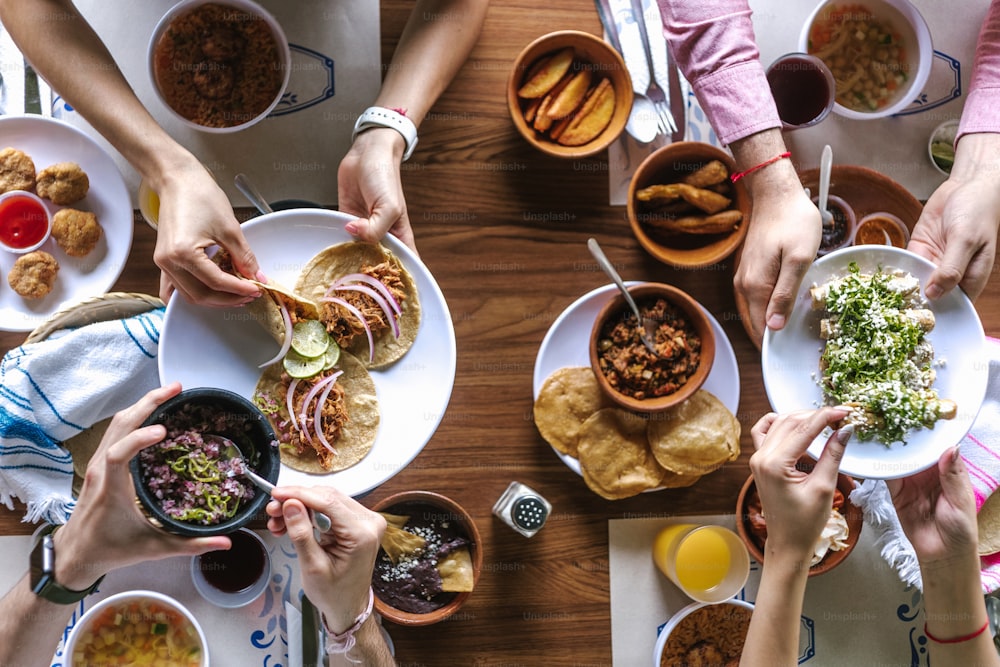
x: 331, y: 356
x: 298, y: 366
x: 943, y: 154
x: 309, y: 338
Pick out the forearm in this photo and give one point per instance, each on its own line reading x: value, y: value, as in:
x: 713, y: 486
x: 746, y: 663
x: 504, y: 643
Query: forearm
x: 777, y: 179
x: 435, y: 43
x: 953, y: 608
x: 30, y: 627
x: 774, y: 627
x: 65, y: 50
x: 371, y: 648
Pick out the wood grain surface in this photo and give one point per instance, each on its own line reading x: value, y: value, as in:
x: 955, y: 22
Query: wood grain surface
x: 503, y: 229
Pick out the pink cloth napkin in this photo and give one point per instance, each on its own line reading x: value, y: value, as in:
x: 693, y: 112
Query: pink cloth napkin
x: 981, y: 453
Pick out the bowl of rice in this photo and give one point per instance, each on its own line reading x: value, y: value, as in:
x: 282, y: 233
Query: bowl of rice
x: 188, y: 483
x: 219, y: 65
x: 703, y: 633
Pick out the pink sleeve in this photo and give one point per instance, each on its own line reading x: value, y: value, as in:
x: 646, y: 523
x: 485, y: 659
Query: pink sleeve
x: 980, y: 111
x: 713, y: 43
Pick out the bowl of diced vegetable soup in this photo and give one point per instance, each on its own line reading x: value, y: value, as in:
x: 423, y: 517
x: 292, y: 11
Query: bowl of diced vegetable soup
x: 137, y: 628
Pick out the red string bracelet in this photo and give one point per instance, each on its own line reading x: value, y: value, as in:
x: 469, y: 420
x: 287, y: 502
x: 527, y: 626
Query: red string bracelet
x: 737, y: 176
x: 956, y: 640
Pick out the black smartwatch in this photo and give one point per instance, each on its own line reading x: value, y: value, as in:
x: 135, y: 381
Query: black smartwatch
x: 43, y: 573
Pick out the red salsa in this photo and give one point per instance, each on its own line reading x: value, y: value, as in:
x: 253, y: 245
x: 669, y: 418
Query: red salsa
x: 23, y: 222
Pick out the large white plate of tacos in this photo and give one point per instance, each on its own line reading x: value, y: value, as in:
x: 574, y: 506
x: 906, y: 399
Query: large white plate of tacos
x: 359, y: 389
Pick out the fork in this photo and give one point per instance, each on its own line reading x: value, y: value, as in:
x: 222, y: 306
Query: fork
x: 661, y: 102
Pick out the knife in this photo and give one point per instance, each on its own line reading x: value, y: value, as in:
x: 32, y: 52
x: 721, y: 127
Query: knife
x: 310, y: 634
x: 678, y: 102
x: 604, y: 11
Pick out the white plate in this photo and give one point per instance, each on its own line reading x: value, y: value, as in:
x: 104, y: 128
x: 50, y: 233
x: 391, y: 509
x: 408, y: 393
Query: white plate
x: 567, y: 340
x: 47, y: 142
x: 219, y: 347
x: 790, y: 360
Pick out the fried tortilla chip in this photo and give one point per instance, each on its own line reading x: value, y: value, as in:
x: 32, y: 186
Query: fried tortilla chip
x: 568, y: 397
x: 398, y: 542
x: 696, y: 436
x: 457, y: 575
x: 614, y: 455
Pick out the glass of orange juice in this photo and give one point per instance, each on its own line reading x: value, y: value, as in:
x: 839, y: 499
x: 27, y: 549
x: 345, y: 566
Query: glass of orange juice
x: 149, y: 204
x: 708, y: 563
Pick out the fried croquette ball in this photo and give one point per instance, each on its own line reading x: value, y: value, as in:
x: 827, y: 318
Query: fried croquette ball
x: 34, y: 274
x: 76, y: 232
x: 17, y: 170
x: 64, y: 183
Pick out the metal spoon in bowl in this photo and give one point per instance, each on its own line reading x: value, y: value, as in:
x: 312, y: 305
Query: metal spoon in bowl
x: 250, y: 191
x: 231, y: 452
x: 647, y: 326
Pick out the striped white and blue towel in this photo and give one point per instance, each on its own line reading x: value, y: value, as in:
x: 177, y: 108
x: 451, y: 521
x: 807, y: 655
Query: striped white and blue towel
x: 56, y: 388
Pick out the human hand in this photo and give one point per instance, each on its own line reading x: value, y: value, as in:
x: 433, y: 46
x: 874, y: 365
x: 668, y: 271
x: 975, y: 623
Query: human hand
x: 796, y: 504
x: 937, y: 510
x: 957, y: 229
x: 195, y: 215
x: 781, y: 244
x: 369, y: 186
x: 107, y: 530
x: 337, y: 569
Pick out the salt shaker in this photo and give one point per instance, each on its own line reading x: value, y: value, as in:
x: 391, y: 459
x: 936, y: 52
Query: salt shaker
x: 522, y: 508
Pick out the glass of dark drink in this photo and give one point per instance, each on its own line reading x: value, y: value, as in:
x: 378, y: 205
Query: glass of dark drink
x: 803, y: 89
x: 236, y: 577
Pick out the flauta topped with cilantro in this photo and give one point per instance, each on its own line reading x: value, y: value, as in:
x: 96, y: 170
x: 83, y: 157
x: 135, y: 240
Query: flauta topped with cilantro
x: 877, y: 358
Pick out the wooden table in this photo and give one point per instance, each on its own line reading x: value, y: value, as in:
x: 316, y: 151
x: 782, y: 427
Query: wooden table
x: 504, y: 229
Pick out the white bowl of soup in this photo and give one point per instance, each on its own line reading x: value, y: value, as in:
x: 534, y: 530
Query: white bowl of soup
x: 879, y: 52
x: 137, y: 627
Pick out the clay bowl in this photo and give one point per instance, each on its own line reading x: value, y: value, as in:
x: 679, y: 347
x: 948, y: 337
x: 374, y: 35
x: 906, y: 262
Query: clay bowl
x: 616, y: 308
x: 590, y: 51
x: 670, y: 164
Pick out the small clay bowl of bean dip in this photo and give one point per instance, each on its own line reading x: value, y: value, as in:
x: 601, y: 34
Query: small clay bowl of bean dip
x: 640, y: 380
x: 426, y: 581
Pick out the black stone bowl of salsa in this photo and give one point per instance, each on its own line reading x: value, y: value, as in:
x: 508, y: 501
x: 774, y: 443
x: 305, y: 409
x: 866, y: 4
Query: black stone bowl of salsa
x: 409, y: 594
x: 635, y: 378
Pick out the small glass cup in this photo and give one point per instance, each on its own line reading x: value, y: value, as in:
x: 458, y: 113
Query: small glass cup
x: 25, y: 222
x: 941, y: 146
x: 803, y: 89
x: 708, y: 563
x: 236, y: 577
x: 841, y: 231
x: 881, y: 229
x: 149, y: 204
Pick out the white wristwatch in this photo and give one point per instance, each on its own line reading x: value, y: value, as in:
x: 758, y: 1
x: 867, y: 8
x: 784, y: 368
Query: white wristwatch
x: 382, y: 117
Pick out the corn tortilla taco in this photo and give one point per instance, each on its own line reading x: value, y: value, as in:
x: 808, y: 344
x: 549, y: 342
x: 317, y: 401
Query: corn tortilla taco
x: 349, y: 417
x: 356, y: 281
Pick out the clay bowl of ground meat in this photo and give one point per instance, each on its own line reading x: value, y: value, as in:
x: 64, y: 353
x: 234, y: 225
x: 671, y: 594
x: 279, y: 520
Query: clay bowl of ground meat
x: 219, y: 65
x: 632, y: 376
x: 751, y: 522
x: 184, y: 483
x: 704, y: 634
x: 415, y: 589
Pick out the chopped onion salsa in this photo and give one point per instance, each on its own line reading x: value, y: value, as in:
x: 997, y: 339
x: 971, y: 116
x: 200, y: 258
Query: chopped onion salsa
x: 877, y: 357
x: 189, y: 476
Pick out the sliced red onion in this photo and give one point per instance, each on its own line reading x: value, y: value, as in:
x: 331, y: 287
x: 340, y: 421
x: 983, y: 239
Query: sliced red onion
x: 287, y: 342
x: 371, y: 281
x: 318, y: 413
x: 361, y: 318
x: 305, y: 406
x: 290, y: 403
x: 377, y: 298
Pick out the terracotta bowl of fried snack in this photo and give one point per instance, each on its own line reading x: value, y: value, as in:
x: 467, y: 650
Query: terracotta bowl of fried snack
x: 851, y: 512
x: 581, y: 79
x: 616, y: 308
x: 675, y: 230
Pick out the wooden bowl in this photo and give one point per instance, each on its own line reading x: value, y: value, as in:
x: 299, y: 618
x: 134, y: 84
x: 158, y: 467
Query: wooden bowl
x: 668, y: 165
x: 589, y: 49
x: 395, y: 504
x: 616, y: 307
x: 851, y: 512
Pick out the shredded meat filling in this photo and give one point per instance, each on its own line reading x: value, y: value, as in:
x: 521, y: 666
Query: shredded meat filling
x: 343, y: 326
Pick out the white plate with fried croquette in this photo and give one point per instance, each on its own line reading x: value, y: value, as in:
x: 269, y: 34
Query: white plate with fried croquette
x: 94, y: 235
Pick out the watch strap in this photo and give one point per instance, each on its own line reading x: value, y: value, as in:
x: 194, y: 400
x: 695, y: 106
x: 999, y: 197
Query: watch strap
x: 48, y: 588
x: 383, y: 117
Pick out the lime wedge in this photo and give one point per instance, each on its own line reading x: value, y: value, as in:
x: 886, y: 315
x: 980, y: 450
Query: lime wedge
x: 299, y: 366
x: 331, y: 356
x: 309, y: 338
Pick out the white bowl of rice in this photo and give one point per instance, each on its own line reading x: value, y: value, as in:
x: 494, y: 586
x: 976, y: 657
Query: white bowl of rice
x: 704, y: 633
x: 137, y: 627
x: 879, y: 51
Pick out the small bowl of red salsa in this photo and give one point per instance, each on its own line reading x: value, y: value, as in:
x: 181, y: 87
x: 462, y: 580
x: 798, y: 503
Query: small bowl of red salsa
x: 25, y: 222
x: 632, y: 376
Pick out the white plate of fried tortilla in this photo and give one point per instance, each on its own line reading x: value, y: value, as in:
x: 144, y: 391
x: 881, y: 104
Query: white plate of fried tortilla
x: 222, y: 347
x: 790, y: 365
x: 567, y: 344
x: 48, y: 141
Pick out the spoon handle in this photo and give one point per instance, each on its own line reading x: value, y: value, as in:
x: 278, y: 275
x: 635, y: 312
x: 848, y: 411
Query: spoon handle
x: 320, y: 521
x: 609, y: 269
x: 825, y: 166
x: 251, y: 192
